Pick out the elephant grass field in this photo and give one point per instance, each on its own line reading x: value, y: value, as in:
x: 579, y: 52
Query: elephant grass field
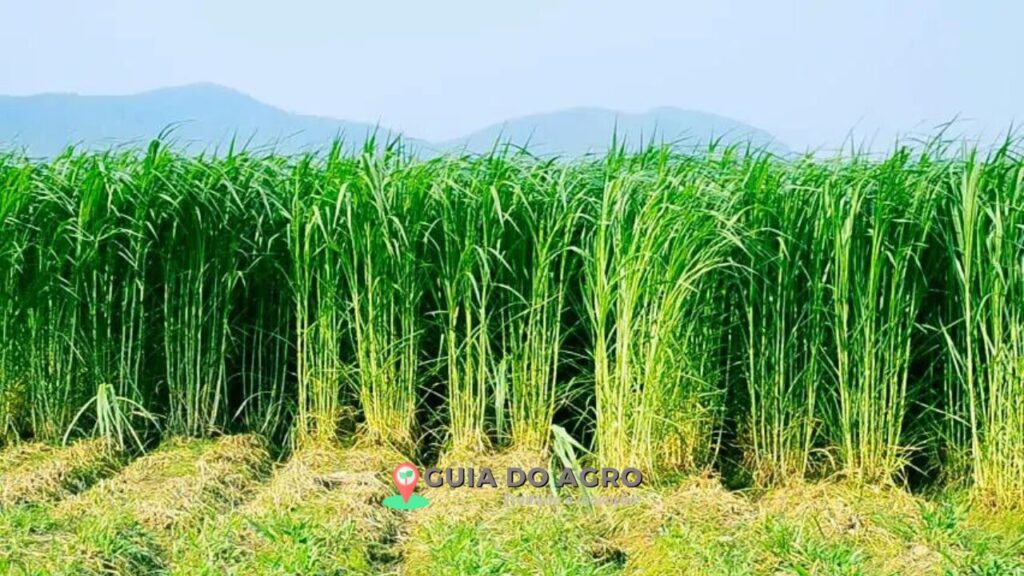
x: 209, y: 364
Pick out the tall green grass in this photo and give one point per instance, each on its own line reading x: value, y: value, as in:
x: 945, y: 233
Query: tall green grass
x: 382, y: 260
x: 15, y: 179
x: 984, y: 332
x: 543, y: 258
x: 655, y: 238
x: 879, y: 220
x: 314, y: 237
x: 472, y: 201
x: 804, y: 317
x: 783, y: 314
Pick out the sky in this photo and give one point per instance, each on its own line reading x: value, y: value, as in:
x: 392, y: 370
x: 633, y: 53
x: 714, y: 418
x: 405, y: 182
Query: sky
x: 814, y: 73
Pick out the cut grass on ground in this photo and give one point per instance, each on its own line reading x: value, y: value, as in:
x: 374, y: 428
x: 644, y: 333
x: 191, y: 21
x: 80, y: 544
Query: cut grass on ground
x: 126, y: 524
x: 320, y: 514
x: 50, y: 474
x: 817, y: 529
x: 475, y: 531
x: 11, y: 457
x: 197, y: 507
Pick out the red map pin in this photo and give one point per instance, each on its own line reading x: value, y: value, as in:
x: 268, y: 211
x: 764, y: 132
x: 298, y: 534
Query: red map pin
x: 405, y: 477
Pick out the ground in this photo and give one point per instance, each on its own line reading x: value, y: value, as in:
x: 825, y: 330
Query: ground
x: 222, y: 506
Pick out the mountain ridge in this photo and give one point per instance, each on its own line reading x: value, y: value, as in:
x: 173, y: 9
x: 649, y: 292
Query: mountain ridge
x: 589, y: 129
x: 206, y: 116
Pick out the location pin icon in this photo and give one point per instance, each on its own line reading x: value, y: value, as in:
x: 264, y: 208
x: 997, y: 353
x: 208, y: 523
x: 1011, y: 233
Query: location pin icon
x: 405, y: 477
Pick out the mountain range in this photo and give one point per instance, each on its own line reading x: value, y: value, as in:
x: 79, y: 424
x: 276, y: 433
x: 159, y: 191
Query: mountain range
x: 208, y: 117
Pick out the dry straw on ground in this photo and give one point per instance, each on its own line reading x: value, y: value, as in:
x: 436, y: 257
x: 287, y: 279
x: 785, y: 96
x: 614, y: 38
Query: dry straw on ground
x: 125, y: 524
x: 691, y: 529
x: 521, y: 538
x: 11, y: 457
x: 179, y: 483
x: 53, y: 474
x: 868, y: 517
x: 326, y: 498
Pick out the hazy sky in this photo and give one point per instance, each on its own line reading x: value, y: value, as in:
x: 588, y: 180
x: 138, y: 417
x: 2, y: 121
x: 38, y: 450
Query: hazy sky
x: 808, y: 71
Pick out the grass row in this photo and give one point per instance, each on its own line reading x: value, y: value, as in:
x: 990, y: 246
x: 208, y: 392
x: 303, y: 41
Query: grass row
x: 799, y: 318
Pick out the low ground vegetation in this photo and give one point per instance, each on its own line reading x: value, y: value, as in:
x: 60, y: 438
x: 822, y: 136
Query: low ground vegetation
x: 319, y: 513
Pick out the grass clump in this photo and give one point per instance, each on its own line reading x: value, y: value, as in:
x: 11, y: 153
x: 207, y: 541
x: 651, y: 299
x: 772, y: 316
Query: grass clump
x: 689, y: 529
x: 537, y: 542
x: 471, y: 203
x: 878, y: 228
x: 314, y: 223
x: 823, y: 528
x: 382, y: 259
x: 542, y: 269
x: 843, y: 529
x: 656, y: 234
x: 985, y: 329
x: 35, y: 541
x: 783, y: 327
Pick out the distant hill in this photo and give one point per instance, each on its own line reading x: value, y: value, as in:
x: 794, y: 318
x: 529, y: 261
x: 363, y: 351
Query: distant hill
x: 202, y: 116
x: 206, y: 117
x: 579, y: 131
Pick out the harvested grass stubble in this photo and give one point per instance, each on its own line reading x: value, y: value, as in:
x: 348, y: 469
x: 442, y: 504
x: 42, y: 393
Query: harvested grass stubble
x: 14, y: 456
x: 127, y: 524
x: 702, y: 511
x: 702, y: 528
x: 474, y: 531
x: 319, y: 514
x: 52, y: 474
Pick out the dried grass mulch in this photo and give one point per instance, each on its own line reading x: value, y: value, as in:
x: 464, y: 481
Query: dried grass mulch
x: 319, y: 513
x: 52, y: 474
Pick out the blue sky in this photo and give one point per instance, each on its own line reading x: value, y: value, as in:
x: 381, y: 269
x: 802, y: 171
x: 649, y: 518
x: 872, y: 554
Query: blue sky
x: 808, y: 71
